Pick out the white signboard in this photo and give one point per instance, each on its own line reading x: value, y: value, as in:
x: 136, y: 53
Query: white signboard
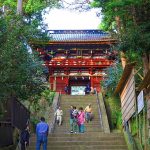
x: 77, y: 90
x: 140, y: 101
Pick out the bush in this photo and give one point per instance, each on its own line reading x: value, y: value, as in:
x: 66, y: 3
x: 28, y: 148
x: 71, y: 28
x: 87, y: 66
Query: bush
x: 48, y: 95
x: 113, y: 104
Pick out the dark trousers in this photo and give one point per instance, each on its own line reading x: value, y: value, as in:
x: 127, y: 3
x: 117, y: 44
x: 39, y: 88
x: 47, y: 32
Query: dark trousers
x: 23, y: 146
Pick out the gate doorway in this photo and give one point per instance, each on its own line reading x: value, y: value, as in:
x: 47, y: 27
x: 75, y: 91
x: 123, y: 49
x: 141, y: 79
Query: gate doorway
x: 77, y: 85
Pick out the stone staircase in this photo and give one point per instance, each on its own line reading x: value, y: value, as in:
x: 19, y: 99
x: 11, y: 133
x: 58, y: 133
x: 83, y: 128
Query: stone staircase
x: 78, y: 101
x: 93, y: 139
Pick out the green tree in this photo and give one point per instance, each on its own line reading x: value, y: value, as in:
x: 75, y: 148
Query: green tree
x: 112, y: 78
x: 29, y: 7
x: 20, y: 68
x: 128, y: 21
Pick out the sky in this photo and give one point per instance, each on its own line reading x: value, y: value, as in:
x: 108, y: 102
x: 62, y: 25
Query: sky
x: 65, y: 19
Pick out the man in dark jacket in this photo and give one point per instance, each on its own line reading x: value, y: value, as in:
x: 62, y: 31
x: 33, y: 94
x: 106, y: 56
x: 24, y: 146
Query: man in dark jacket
x: 24, y: 138
x: 67, y: 89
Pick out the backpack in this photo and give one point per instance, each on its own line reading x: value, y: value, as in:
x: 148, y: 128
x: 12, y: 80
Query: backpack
x: 75, y: 113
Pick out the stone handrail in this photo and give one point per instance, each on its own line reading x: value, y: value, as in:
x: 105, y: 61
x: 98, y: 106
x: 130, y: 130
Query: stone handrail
x: 104, y: 114
x: 99, y: 110
x: 129, y: 138
x: 53, y: 108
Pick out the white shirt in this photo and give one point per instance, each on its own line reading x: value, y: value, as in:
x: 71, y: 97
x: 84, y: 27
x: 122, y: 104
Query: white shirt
x: 58, y: 112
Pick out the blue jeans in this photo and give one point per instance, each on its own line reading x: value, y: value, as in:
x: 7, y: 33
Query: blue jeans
x: 41, y: 140
x: 87, y: 116
x: 71, y: 124
x: 81, y: 128
x: 75, y: 125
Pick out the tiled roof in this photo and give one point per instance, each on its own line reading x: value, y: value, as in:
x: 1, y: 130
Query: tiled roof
x: 77, y: 35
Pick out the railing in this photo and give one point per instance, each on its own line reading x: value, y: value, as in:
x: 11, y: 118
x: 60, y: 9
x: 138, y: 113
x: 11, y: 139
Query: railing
x: 55, y: 105
x: 103, y: 114
x: 99, y: 110
x: 59, y: 99
x: 130, y: 138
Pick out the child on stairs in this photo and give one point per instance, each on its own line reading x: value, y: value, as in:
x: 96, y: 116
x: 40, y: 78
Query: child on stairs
x: 81, y: 120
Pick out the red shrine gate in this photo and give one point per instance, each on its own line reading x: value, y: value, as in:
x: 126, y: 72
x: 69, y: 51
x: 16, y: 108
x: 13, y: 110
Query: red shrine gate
x: 77, y: 58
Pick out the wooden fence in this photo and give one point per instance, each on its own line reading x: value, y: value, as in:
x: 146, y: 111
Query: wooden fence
x: 17, y: 116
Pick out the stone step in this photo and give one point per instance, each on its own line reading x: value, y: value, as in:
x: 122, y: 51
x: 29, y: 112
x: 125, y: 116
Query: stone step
x: 79, y: 101
x: 78, y: 96
x: 90, y: 124
x: 87, y: 128
x: 93, y: 99
x: 78, y: 104
x: 67, y: 113
x: 81, y: 138
x: 86, y: 124
x: 67, y: 130
x: 95, y: 120
x: 66, y: 108
x: 85, y: 147
x: 66, y: 116
x: 91, y: 135
x: 69, y: 143
x: 86, y: 101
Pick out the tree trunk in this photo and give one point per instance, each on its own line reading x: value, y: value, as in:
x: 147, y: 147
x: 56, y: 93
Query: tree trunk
x: 146, y: 63
x: 19, y: 6
x: 146, y: 67
x: 118, y: 22
x: 123, y: 59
